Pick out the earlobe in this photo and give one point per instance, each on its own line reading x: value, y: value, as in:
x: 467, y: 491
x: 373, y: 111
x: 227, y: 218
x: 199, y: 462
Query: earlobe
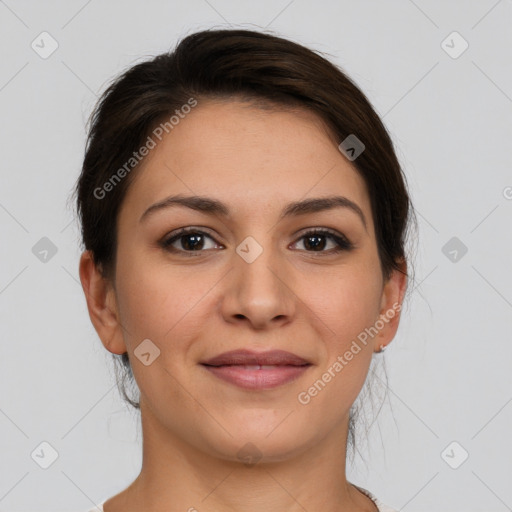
x: 101, y: 304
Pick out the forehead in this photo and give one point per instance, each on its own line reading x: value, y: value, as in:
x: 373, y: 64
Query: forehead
x: 247, y: 157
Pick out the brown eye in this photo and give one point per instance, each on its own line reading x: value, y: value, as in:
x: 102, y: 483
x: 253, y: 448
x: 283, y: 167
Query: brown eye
x: 316, y: 240
x: 188, y: 240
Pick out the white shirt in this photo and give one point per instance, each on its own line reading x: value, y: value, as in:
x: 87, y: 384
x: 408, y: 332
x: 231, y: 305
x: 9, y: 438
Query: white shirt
x: 381, y: 507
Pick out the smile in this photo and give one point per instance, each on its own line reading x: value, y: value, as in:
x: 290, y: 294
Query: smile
x: 257, y: 376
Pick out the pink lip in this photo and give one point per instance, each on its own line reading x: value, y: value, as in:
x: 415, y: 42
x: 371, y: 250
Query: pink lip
x: 257, y: 379
x: 249, y: 357
x: 232, y: 366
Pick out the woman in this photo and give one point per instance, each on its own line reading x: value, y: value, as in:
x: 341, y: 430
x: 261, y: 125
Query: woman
x: 244, y: 218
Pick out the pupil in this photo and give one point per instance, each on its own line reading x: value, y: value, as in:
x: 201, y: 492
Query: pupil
x: 187, y: 245
x: 317, y: 244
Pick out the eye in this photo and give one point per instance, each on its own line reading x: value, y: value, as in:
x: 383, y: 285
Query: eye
x: 188, y: 240
x: 315, y: 239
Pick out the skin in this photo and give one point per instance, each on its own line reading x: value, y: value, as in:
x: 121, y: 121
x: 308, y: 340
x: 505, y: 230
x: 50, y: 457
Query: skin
x: 311, y: 303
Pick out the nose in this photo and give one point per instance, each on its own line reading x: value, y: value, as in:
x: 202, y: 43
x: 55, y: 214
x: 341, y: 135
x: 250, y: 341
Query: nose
x: 259, y: 293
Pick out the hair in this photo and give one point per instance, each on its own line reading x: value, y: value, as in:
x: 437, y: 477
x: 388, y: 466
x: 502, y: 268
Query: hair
x: 270, y: 71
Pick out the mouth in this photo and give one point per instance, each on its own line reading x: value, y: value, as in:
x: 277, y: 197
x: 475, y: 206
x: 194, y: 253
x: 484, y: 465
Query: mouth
x: 252, y: 370
x: 257, y: 376
x: 246, y: 357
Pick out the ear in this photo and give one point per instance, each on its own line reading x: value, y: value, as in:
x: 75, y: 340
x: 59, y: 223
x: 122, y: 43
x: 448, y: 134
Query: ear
x: 393, y: 292
x: 102, y: 305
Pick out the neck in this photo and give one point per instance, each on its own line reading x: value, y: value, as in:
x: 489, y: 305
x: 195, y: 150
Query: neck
x: 178, y: 475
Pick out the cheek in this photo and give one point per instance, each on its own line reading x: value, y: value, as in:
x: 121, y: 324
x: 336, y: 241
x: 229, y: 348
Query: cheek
x: 164, y: 303
x: 347, y: 301
x: 164, y: 307
x: 346, y: 305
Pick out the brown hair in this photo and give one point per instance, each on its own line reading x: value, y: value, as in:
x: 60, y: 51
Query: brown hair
x: 224, y: 64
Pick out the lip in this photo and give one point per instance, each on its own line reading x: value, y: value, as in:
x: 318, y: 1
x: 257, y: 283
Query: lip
x: 257, y: 370
x: 257, y: 379
x: 249, y: 357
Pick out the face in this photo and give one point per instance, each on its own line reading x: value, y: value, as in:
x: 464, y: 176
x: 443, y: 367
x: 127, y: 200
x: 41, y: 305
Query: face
x: 249, y: 278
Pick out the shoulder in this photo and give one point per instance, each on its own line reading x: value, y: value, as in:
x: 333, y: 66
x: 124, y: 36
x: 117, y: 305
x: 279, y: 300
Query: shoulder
x: 97, y: 508
x: 381, y: 506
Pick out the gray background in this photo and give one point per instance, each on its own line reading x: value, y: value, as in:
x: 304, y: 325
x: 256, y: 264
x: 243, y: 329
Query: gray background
x: 449, y: 366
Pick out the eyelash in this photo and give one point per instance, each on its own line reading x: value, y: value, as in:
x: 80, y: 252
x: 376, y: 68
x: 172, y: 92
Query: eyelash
x: 343, y: 244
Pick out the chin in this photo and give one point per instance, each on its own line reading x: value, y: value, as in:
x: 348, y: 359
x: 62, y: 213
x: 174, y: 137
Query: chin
x: 266, y: 441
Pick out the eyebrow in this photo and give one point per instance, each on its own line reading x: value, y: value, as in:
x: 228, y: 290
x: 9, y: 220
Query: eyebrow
x: 214, y: 207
